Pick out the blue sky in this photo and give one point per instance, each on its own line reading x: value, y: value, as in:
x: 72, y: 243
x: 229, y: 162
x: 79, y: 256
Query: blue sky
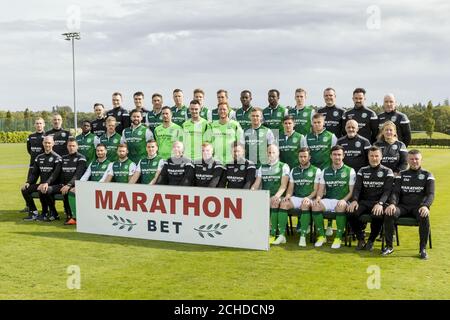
x: 156, y: 46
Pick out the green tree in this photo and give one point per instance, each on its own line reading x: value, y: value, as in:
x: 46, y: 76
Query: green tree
x: 428, y: 119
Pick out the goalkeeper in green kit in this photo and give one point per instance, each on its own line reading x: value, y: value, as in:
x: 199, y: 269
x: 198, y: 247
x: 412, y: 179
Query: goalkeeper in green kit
x: 302, y: 189
x: 335, y: 189
x: 274, y: 177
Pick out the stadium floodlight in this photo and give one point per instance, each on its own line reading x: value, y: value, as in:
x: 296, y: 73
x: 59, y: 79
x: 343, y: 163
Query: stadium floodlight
x: 71, y: 36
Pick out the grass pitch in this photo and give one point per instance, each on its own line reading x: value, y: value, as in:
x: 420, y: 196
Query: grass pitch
x: 35, y: 257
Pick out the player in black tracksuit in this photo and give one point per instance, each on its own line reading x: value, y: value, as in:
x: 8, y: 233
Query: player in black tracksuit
x: 356, y: 147
x: 60, y: 137
x: 400, y: 120
x: 209, y: 171
x: 241, y: 173
x: 73, y: 167
x: 412, y: 196
x: 177, y: 170
x: 46, y: 168
x: 122, y: 116
x: 394, y: 155
x: 372, y: 189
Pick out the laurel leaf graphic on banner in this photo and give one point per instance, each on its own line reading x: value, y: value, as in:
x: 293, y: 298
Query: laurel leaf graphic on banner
x: 128, y: 224
x: 211, y: 235
x: 110, y: 218
x: 209, y: 227
x: 210, y: 230
x: 224, y: 226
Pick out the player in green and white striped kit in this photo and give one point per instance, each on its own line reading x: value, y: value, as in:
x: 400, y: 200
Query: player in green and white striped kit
x: 274, y: 177
x: 148, y: 168
x: 302, y: 189
x: 122, y: 169
x: 167, y: 133
x: 335, y: 189
x: 136, y: 137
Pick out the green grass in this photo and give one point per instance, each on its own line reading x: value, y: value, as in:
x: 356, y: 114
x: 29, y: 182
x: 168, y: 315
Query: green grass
x: 35, y: 257
x: 436, y: 135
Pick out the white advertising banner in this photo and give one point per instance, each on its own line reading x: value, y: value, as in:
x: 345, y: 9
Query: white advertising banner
x: 209, y: 216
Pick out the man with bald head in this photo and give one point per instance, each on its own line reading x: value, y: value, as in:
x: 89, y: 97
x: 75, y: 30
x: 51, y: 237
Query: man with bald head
x: 60, y: 136
x: 400, y: 120
x: 355, y: 146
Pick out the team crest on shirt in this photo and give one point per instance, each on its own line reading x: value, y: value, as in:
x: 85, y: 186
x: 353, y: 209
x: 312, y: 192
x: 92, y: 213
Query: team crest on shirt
x: 278, y: 114
x: 204, y: 169
x: 50, y: 159
x: 119, y: 113
x: 294, y: 140
x: 357, y: 144
x: 242, y: 167
x: 325, y: 139
x: 364, y: 115
x: 380, y: 174
x: 421, y: 176
x: 305, y: 114
x: 89, y: 140
x: 104, y: 166
x: 210, y: 166
x: 140, y: 133
x: 63, y: 134
x: 115, y: 140
x: 335, y: 113
x: 343, y: 174
x: 394, y: 118
x: 183, y: 113
x: 310, y: 174
x: 394, y: 147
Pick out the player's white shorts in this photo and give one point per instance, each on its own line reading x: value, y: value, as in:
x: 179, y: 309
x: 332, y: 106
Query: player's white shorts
x: 330, y: 204
x: 297, y: 202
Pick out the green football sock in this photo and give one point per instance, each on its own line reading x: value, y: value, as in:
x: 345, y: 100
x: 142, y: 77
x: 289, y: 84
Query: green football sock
x: 305, y: 221
x: 282, y: 220
x: 273, y: 221
x: 318, y: 221
x: 72, y: 204
x: 341, y: 221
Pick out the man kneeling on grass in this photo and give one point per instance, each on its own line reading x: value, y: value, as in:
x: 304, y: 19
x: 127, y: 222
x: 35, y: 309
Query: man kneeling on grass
x: 335, y: 189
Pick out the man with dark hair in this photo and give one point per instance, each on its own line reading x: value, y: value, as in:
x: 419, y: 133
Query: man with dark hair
x: 205, y: 113
x: 179, y: 110
x: 222, y: 98
x: 302, y: 114
x: 274, y: 113
x: 154, y: 116
x: 243, y: 113
x: 121, y: 114
x: 60, y: 136
x: 289, y: 142
x: 167, y: 133
x: 193, y: 132
x: 148, y: 168
x: 99, y: 169
x: 177, y: 170
x: 333, y: 114
x: 98, y: 126
x: 400, y: 120
x: 122, y: 169
x: 86, y: 142
x: 413, y: 195
x: 335, y: 189
x: 46, y: 168
x: 138, y: 98
x: 209, y: 171
x: 136, y: 137
x: 372, y: 189
x: 356, y: 148
x: 366, y: 118
x: 73, y: 166
x: 240, y: 173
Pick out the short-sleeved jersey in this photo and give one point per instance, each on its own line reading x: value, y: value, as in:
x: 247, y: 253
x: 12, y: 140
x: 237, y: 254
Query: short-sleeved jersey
x: 205, y: 113
x: 165, y: 137
x: 243, y: 117
x: 179, y: 115
x: 86, y: 146
x: 111, y: 143
x: 136, y: 140
x: 304, y: 180
x: 271, y: 175
x: 98, y: 171
x: 337, y: 182
x: 239, y: 175
x: 222, y: 137
x: 289, y: 147
x: 302, y: 119
x: 215, y: 114
x: 320, y: 147
x: 256, y: 142
x: 273, y: 118
x: 123, y: 170
x: 208, y: 173
x: 193, y: 136
x: 148, y: 168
